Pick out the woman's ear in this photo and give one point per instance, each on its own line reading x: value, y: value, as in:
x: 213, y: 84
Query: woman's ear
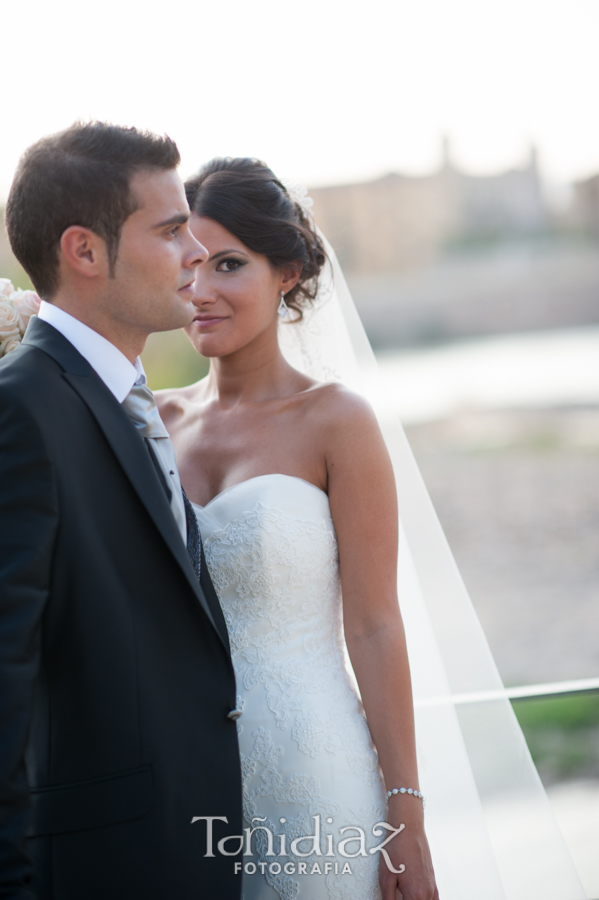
x: 290, y: 275
x: 84, y: 252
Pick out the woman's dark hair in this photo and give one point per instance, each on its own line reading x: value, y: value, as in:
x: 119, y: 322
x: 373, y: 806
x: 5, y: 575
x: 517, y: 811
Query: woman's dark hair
x: 80, y: 176
x: 244, y: 196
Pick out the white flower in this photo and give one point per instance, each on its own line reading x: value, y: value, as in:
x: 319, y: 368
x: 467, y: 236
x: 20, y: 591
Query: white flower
x: 299, y: 194
x: 27, y: 304
x: 8, y: 344
x: 9, y: 320
x: 6, y: 288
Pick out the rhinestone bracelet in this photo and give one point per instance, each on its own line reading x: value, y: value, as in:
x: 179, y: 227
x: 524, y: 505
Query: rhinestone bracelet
x: 406, y: 791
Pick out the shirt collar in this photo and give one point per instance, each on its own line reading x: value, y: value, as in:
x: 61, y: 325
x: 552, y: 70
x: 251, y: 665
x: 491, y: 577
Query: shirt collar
x: 112, y: 366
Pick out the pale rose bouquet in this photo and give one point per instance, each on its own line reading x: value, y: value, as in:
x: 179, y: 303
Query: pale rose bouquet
x: 16, y: 308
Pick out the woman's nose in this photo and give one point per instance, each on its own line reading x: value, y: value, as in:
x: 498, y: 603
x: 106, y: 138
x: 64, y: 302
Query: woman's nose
x: 202, y: 294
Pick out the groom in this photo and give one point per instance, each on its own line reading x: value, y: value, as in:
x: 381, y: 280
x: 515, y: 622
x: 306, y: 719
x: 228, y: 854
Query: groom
x: 117, y: 691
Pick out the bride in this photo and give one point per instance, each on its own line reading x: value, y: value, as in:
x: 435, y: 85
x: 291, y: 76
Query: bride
x: 294, y: 493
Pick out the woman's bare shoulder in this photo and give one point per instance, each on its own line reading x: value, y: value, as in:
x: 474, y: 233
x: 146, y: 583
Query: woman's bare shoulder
x: 174, y: 402
x: 340, y: 407
x: 348, y: 434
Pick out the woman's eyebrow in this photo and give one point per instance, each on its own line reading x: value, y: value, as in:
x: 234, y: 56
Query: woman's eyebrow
x: 224, y: 253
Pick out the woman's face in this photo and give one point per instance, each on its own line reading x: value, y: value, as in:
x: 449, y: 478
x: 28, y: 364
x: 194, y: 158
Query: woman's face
x: 237, y: 292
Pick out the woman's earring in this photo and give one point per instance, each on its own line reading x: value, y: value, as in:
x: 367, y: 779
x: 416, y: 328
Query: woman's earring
x: 283, y: 308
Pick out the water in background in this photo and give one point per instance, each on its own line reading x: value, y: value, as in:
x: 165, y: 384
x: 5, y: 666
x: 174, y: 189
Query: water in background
x: 530, y: 370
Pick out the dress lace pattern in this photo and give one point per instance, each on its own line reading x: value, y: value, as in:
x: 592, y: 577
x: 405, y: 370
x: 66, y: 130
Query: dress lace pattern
x: 307, y: 756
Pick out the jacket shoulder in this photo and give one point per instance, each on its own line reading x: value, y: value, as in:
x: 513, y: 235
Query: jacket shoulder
x: 30, y: 383
x: 25, y: 365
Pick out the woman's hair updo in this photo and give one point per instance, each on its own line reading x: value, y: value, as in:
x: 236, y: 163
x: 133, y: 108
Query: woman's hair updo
x: 244, y: 196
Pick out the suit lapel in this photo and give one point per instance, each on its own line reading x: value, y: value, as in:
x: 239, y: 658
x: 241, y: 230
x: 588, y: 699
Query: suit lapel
x: 126, y: 443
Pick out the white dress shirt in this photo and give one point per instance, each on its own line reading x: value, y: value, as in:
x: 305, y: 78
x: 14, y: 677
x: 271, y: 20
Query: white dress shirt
x: 119, y: 376
x: 113, y: 367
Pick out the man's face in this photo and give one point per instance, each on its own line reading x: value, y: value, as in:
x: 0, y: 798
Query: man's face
x: 153, y: 284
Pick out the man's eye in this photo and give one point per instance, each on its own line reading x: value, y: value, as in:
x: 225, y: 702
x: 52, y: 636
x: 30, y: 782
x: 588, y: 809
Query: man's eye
x: 229, y: 265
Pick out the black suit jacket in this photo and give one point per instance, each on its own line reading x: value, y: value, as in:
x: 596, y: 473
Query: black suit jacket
x: 115, y: 673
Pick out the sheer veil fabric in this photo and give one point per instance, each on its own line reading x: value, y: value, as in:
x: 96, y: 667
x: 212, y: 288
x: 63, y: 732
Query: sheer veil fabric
x: 492, y: 832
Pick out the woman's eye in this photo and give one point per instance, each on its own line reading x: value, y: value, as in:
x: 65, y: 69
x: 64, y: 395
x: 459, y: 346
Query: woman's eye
x: 229, y: 265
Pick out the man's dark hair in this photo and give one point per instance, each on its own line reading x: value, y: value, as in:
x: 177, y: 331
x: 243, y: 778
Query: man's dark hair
x: 80, y: 176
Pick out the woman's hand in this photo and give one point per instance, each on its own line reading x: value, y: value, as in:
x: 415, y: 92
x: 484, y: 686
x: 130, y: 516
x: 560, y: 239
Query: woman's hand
x: 409, y: 849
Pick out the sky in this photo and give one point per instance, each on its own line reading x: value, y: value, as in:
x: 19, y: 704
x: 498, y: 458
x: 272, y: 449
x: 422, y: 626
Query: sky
x: 325, y: 91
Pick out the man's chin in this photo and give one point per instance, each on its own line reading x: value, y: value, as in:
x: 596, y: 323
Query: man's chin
x: 179, y: 318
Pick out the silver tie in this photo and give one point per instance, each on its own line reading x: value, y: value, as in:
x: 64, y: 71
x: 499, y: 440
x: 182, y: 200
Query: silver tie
x: 141, y: 408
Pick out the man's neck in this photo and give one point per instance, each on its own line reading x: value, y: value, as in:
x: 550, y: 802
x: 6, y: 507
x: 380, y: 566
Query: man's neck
x: 130, y: 345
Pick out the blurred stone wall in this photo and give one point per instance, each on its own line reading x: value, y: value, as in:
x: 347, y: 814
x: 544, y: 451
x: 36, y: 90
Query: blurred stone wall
x: 512, y: 288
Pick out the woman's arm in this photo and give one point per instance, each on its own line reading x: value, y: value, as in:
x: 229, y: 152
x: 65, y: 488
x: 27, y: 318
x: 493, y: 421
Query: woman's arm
x: 363, y: 502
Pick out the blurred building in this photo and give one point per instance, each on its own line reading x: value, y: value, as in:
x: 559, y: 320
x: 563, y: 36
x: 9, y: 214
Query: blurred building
x: 587, y: 204
x: 450, y: 255
x: 400, y: 222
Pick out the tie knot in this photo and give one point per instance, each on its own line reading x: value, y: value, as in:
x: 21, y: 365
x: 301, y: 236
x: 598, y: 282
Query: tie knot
x: 141, y: 408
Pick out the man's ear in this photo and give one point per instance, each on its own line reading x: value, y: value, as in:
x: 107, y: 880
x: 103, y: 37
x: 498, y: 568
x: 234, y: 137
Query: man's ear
x: 84, y: 251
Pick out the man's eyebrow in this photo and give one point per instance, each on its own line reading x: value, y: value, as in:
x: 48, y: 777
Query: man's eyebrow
x: 225, y: 252
x: 179, y: 219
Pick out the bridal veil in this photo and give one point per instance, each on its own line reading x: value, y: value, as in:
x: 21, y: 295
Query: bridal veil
x: 492, y: 832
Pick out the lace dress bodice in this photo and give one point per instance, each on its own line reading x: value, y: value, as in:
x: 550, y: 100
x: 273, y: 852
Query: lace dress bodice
x: 306, y: 750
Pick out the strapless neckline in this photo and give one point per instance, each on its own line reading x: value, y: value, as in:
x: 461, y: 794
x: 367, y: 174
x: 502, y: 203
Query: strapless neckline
x: 258, y: 478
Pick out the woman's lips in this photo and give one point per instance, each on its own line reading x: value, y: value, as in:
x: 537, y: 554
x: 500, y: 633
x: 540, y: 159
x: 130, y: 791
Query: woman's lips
x: 205, y: 321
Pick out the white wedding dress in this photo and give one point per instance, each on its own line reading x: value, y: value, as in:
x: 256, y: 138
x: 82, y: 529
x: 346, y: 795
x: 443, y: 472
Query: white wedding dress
x: 308, y: 761
x: 306, y: 750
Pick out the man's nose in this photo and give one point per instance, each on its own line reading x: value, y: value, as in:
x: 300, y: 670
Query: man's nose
x: 197, y: 253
